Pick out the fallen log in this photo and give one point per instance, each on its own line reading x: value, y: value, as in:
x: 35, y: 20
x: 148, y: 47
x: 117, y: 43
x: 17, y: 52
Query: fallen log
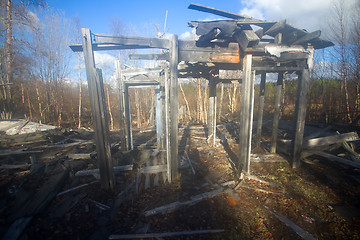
x: 166, y: 234
x: 176, y: 205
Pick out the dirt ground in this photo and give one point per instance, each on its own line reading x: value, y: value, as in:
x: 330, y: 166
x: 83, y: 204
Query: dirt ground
x: 320, y: 197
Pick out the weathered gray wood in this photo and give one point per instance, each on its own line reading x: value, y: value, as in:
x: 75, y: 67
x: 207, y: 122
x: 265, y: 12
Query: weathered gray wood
x: 212, y: 113
x: 246, y: 38
x: 127, y: 122
x: 260, y: 109
x: 17, y: 228
x: 98, y: 107
x: 323, y: 141
x: 276, y: 28
x: 245, y: 117
x: 251, y: 118
x: 172, y: 109
x: 300, y: 114
x: 302, y: 233
x: 165, y: 234
x: 176, y: 205
x: 140, y: 71
x: 121, y: 98
x: 308, y: 37
x: 332, y: 157
x: 134, y: 41
x: 96, y: 170
x: 164, y: 56
x: 276, y: 112
x: 76, y: 188
x: 215, y: 11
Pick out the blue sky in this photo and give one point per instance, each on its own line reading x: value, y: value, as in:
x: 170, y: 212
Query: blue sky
x: 96, y: 15
x: 141, y: 15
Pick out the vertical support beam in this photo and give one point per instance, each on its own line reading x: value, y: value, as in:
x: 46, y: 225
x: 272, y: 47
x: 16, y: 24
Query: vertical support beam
x: 276, y: 112
x: 98, y: 108
x: 251, y: 116
x: 160, y: 111
x: 261, y: 109
x: 172, y: 109
x: 120, y: 87
x: 245, y: 118
x: 300, y: 109
x: 212, y: 112
x: 128, y: 123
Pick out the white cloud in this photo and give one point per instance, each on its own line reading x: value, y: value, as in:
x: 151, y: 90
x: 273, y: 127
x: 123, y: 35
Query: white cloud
x: 33, y: 18
x: 104, y: 60
x: 188, y: 35
x: 307, y: 14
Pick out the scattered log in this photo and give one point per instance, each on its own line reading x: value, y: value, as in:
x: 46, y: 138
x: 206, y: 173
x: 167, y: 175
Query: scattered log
x: 166, y: 234
x: 302, y: 233
x: 96, y: 170
x: 76, y: 188
x: 176, y: 205
x: 79, y: 156
x: 349, y: 147
x: 318, y: 142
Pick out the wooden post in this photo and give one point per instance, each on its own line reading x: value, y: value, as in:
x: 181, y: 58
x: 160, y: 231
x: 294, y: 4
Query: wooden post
x: 261, y: 109
x: 300, y: 114
x: 160, y: 111
x: 276, y: 112
x: 98, y: 108
x: 245, y: 118
x: 128, y: 123
x: 172, y: 110
x: 212, y: 112
x: 121, y: 106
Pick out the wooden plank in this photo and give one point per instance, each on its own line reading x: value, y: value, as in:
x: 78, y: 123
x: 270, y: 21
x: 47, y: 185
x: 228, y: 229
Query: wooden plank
x: 260, y: 109
x: 246, y: 38
x: 251, y: 118
x: 173, y: 104
x: 300, y: 114
x: 136, y: 42
x: 176, y: 205
x: 121, y: 99
x: 212, y: 113
x: 140, y: 71
x: 302, y: 233
x: 98, y: 108
x: 245, y: 117
x: 308, y: 37
x: 276, y: 28
x: 276, y: 116
x: 324, y: 141
x: 332, y: 157
x: 215, y: 11
x: 165, y: 234
x: 96, y: 170
x: 155, y: 57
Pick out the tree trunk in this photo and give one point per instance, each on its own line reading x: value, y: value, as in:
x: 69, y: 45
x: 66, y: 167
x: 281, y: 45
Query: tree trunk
x: 39, y: 103
x: 138, y: 111
x: 8, y: 47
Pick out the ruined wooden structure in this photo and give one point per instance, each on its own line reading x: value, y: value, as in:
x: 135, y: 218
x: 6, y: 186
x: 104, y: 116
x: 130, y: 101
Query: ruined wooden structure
x: 250, y: 45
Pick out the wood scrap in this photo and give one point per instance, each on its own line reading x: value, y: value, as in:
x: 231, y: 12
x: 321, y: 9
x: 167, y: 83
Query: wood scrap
x: 176, y: 205
x: 166, y: 234
x: 14, y: 166
x: 350, y: 148
x: 190, y: 164
x: 302, y: 233
x: 96, y: 170
x: 317, y: 142
x: 332, y: 157
x: 17, y: 228
x: 76, y: 188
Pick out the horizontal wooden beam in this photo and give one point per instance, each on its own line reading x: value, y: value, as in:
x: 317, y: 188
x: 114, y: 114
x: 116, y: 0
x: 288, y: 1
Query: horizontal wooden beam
x: 164, y: 56
x: 140, y: 83
x: 142, y: 42
x: 140, y: 71
x: 215, y: 11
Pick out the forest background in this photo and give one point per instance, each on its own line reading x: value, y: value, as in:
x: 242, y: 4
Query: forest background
x: 43, y: 81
